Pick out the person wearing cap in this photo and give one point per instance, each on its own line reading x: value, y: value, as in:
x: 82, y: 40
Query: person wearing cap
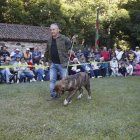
x: 57, y: 56
x: 17, y: 54
x: 137, y: 52
x: 27, y: 54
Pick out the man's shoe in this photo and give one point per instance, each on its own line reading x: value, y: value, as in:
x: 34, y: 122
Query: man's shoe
x: 52, y: 98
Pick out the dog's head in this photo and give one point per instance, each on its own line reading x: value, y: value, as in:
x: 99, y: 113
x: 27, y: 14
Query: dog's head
x: 60, y: 87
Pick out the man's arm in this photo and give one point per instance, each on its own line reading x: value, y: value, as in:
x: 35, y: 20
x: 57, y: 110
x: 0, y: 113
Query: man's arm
x: 68, y: 43
x: 46, y: 54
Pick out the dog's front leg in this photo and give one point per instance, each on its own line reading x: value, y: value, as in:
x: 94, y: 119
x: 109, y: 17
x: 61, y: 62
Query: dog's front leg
x: 69, y: 97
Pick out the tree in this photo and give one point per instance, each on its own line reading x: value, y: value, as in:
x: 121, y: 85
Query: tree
x: 2, y: 10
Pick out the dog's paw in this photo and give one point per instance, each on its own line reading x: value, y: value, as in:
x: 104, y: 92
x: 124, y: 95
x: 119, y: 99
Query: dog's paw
x: 66, y: 102
x: 70, y: 101
x: 89, y: 97
x: 80, y: 96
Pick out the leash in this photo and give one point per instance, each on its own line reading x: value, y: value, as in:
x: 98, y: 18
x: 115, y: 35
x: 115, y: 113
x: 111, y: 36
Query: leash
x: 70, y: 54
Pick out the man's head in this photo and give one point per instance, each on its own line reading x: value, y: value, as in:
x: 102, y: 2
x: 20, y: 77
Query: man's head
x: 36, y: 49
x: 5, y: 48
x: 104, y: 48
x: 54, y: 30
x: 75, y: 60
x: 137, y: 48
x: 17, y: 50
x: 7, y: 60
x: 27, y: 50
x: 22, y: 60
x: 17, y: 58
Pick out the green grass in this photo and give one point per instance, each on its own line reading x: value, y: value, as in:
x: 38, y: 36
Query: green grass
x: 112, y: 114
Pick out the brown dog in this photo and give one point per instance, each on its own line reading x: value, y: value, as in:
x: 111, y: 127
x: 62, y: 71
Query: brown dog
x: 73, y: 83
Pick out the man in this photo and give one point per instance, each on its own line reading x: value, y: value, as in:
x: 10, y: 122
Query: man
x: 16, y: 68
x: 131, y: 56
x: 119, y: 54
x: 105, y: 54
x: 4, y: 52
x: 57, y: 55
x: 114, y: 66
x: 36, y: 55
x: 6, y: 73
x: 122, y: 70
x: 137, y: 52
x: 15, y: 54
x: 129, y: 69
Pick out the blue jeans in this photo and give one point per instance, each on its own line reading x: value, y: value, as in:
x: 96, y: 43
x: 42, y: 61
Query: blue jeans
x: 24, y: 75
x: 40, y: 74
x: 54, y: 69
x: 6, y: 74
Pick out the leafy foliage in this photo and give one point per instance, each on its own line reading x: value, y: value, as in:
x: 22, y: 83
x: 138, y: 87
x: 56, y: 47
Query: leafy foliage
x: 119, y: 19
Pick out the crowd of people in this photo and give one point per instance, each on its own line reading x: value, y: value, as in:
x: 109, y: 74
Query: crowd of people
x: 31, y: 66
x: 27, y: 66
x: 102, y: 63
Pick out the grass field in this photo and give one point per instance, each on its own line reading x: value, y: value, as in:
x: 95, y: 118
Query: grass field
x: 112, y: 114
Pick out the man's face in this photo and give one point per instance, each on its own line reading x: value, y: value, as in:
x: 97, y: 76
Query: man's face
x: 7, y: 61
x: 104, y: 48
x: 4, y: 48
x: 137, y: 49
x: 54, y: 30
x: 18, y: 59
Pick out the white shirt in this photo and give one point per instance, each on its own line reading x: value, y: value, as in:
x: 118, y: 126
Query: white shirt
x: 129, y: 69
x: 119, y: 54
x: 113, y: 64
x: 17, y: 68
x: 138, y: 56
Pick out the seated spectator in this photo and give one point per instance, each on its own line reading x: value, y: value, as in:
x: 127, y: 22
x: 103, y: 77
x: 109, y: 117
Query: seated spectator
x: 78, y: 54
x: 27, y: 55
x: 122, y: 70
x: 86, y: 53
x: 131, y: 56
x: 137, y: 52
x: 114, y: 66
x: 86, y: 67
x: 6, y: 73
x: 137, y: 69
x: 36, y: 56
x: 72, y: 55
x: 119, y: 54
x: 13, y: 52
x: 129, y: 69
x: 95, y: 65
x: 17, y: 53
x: 16, y: 68
x: 75, y: 68
x: 97, y: 55
x: 105, y: 54
x: 25, y: 72
x: 30, y: 64
x: 4, y: 52
x: 39, y: 70
x: 91, y: 54
x: 103, y: 67
x: 1, y: 60
x: 46, y: 71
